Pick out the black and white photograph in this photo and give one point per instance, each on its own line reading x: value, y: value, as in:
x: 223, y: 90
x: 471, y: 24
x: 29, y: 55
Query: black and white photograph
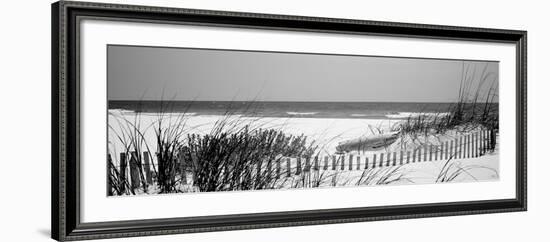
x: 189, y: 120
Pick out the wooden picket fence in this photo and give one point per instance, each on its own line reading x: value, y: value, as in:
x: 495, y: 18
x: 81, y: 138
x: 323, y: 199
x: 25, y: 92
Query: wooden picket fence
x: 471, y: 145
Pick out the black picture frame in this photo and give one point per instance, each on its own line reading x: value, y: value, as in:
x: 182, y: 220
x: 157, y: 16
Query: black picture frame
x: 65, y: 219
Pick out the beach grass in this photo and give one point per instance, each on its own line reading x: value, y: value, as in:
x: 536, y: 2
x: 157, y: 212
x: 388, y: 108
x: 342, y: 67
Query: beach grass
x: 474, y: 109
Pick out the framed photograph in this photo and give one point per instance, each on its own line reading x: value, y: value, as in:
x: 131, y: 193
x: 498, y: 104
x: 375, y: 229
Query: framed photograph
x: 171, y: 120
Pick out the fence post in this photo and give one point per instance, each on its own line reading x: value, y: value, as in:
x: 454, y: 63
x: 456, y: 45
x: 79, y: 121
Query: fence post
x: 307, y: 166
x: 408, y: 156
x: 470, y: 143
x: 401, y: 157
x: 134, y: 170
x: 122, y: 173
x: 358, y: 163
x: 414, y: 156
x: 381, y: 160
x: 288, y: 167
x: 343, y: 164
x: 374, y: 161
x: 326, y: 163
x: 109, y: 185
x: 366, y: 162
x: 147, y: 168
x: 394, y: 159
x: 333, y: 162
x: 350, y: 162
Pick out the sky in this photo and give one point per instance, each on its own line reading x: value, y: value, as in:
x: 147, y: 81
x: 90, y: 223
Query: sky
x: 157, y: 73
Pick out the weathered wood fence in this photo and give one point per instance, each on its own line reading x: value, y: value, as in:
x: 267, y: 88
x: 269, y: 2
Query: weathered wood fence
x: 471, y: 145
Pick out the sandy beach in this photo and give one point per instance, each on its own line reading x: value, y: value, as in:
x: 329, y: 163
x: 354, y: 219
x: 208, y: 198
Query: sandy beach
x: 327, y: 133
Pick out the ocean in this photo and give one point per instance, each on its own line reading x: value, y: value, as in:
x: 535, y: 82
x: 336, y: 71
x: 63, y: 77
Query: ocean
x: 347, y: 110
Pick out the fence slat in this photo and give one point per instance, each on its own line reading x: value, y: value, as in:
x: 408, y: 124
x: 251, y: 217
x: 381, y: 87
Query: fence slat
x: 441, y: 148
x: 408, y: 156
x: 381, y: 159
x: 343, y: 164
x: 298, y: 166
x: 400, y: 157
x: 431, y: 152
x: 414, y: 156
x: 316, y: 164
x: 479, y: 144
x: 446, y: 150
x: 476, y: 146
x: 452, y: 149
x: 122, y: 173
x: 459, y: 148
x: 374, y: 161
x: 147, y: 168
x: 350, y: 162
x: 394, y: 159
x: 466, y: 146
x: 134, y: 170
x: 109, y: 185
x: 469, y: 149
x: 485, y: 141
x: 333, y: 162
x: 288, y: 167
x: 325, y: 167
x: 472, y: 147
x: 456, y: 153
x: 425, y: 152
x: 366, y: 162
x: 358, y: 163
